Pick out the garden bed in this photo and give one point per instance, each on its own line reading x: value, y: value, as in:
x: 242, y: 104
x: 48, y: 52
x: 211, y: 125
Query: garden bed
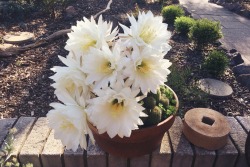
x: 25, y: 84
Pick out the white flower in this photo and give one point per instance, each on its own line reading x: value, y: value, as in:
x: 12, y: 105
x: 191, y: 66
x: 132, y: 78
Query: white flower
x: 115, y: 111
x: 147, y: 31
x: 147, y: 70
x: 69, y: 80
x: 88, y: 33
x: 103, y: 66
x: 69, y: 123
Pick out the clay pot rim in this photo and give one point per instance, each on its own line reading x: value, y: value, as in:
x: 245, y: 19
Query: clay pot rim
x: 92, y: 127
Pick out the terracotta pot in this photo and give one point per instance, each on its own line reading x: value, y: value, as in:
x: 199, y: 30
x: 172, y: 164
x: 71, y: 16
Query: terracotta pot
x: 142, y: 141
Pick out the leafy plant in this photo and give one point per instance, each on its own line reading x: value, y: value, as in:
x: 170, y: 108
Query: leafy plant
x: 216, y: 63
x: 205, y: 31
x: 6, y: 160
x: 183, y: 24
x: 171, y: 12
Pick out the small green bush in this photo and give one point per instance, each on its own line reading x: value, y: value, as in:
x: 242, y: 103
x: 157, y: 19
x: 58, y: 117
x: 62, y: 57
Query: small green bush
x: 216, y: 63
x: 183, y: 24
x: 171, y: 12
x: 205, y: 31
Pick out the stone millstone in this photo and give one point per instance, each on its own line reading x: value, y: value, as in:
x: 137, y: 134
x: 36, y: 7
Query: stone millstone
x: 18, y: 37
x: 215, y: 87
x: 206, y: 128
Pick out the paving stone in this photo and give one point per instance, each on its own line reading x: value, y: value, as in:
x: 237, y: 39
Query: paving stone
x: 210, y: 17
x: 245, y: 122
x: 182, y: 150
x: 227, y: 155
x: 142, y: 161
x: 35, y: 142
x: 52, y: 152
x: 18, y: 37
x: 239, y: 137
x: 115, y: 161
x: 162, y: 156
x: 203, y: 157
x: 215, y: 87
x: 23, y: 127
x: 95, y: 156
x: 5, y: 125
x: 225, y: 18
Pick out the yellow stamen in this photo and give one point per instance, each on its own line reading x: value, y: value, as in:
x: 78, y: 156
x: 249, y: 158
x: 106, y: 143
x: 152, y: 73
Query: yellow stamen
x: 91, y: 42
x: 147, y: 34
x: 143, y: 67
x: 116, y: 107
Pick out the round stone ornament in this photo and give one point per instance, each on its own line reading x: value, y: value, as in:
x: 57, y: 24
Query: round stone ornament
x: 18, y: 37
x: 215, y: 87
x: 206, y: 128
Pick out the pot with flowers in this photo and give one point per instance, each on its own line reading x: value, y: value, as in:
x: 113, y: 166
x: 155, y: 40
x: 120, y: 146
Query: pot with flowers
x: 112, y: 86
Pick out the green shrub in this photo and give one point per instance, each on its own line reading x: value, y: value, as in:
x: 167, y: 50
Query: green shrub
x: 183, y: 24
x: 216, y: 63
x: 205, y: 31
x: 170, y: 13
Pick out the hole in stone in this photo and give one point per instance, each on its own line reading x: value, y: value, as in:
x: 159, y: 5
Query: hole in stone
x: 207, y: 120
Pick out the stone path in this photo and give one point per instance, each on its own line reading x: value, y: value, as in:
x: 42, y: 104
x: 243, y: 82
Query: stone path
x: 235, y: 28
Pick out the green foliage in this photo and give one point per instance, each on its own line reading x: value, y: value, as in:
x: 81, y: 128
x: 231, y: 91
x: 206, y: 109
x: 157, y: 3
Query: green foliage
x: 180, y: 81
x: 216, y: 63
x: 11, y: 10
x: 6, y: 160
x: 205, y: 31
x: 183, y: 24
x: 158, y: 106
x: 171, y: 12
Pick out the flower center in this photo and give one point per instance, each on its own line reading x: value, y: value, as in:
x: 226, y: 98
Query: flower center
x: 89, y: 43
x: 66, y: 125
x: 70, y: 87
x: 117, y: 106
x: 106, y: 67
x: 143, y: 67
x: 147, y: 34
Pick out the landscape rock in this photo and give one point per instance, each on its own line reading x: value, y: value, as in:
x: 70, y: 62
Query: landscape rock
x: 236, y: 60
x: 233, y: 51
x: 215, y: 87
x: 71, y: 11
x: 241, y: 69
x: 244, y: 79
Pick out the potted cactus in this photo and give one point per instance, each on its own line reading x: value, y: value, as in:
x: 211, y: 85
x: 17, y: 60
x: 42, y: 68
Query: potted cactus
x: 112, y: 86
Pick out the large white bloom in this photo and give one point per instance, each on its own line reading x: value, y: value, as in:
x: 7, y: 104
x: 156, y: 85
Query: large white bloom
x: 115, y: 111
x: 69, y: 123
x: 69, y: 80
x: 88, y: 33
x: 103, y: 66
x: 147, y: 70
x: 148, y: 31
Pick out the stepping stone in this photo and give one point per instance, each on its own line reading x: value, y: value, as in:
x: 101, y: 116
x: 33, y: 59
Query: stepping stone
x: 215, y: 87
x: 6, y: 46
x: 18, y: 37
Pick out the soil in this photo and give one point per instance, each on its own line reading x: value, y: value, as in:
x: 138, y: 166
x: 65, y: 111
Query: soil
x: 25, y: 84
